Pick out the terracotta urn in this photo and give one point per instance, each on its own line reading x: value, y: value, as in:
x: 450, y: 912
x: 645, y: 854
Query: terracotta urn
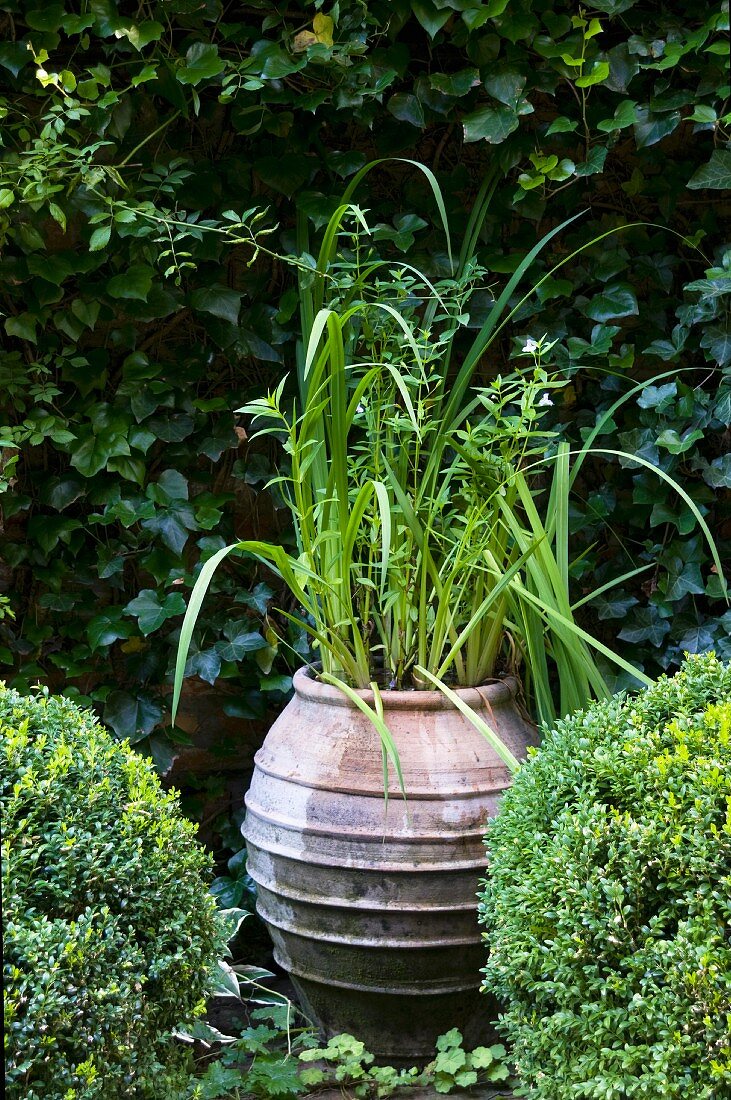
x: 371, y: 902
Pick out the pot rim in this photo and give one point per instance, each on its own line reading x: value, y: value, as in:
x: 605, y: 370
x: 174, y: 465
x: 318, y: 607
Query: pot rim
x: 306, y: 686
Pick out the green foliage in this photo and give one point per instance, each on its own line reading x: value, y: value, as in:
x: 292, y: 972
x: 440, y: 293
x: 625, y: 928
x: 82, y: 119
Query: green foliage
x: 607, y: 903
x: 148, y: 155
x: 109, y: 933
x: 280, y: 1057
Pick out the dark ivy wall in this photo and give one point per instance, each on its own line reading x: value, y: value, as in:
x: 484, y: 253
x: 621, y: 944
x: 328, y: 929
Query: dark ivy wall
x: 130, y: 333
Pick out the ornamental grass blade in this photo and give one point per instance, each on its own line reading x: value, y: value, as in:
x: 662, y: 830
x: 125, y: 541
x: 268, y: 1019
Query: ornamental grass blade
x: 191, y: 617
x: 688, y: 500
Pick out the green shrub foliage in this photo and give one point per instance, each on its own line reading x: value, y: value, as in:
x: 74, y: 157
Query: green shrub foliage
x: 110, y: 934
x: 131, y: 333
x: 608, y: 902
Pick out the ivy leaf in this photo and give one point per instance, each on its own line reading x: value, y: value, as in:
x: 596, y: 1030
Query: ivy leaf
x: 407, y: 108
x: 562, y: 125
x: 48, y: 531
x: 221, y: 301
x: 506, y: 84
x: 107, y: 627
x: 240, y: 641
x: 657, y: 397
x: 455, y: 84
x: 651, y: 128
x: 23, y: 326
x: 14, y: 56
x: 613, y: 607
x: 131, y: 716
x: 594, y: 163
x: 94, y: 453
x: 132, y: 469
x: 276, y: 683
x: 150, y: 613
x: 227, y: 891
x: 645, y: 625
x: 598, y: 71
x: 717, y: 474
x: 47, y: 18
x: 717, y: 340
x: 683, y: 578
x: 170, y: 429
x: 206, y: 664
x: 202, y: 62
x: 61, y: 491
x: 258, y: 599
x: 714, y: 176
x: 431, y: 20
x: 698, y: 639
x: 134, y: 283
x: 677, y: 444
x: 143, y: 33
x: 625, y: 115
x: 492, y: 124
x: 616, y: 300
x: 173, y: 525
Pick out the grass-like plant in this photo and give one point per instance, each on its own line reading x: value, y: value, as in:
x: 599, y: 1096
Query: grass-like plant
x: 431, y: 516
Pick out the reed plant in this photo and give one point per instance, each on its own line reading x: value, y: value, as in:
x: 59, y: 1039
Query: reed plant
x: 431, y: 513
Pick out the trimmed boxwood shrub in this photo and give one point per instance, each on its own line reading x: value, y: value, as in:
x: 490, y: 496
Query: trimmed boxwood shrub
x: 609, y: 898
x: 110, y: 933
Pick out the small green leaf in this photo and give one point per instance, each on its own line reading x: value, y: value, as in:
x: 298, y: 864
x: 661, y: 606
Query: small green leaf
x: 493, y: 124
x: 455, y: 84
x: 150, y: 613
x: 506, y: 84
x: 22, y: 326
x: 449, y: 1040
x: 134, y: 283
x: 625, y: 115
x: 407, y: 108
x: 202, y: 62
x: 96, y: 450
x: 676, y: 444
x: 562, y: 125
x: 598, y: 71
x: 714, y: 176
x: 107, y: 627
x: 617, y: 300
x: 221, y: 301
x: 100, y: 238
x: 430, y: 18
x: 131, y: 716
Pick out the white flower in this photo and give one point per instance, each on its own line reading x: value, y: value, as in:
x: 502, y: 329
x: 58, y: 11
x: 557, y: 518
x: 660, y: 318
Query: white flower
x: 530, y: 346
x: 360, y: 408
x: 545, y: 400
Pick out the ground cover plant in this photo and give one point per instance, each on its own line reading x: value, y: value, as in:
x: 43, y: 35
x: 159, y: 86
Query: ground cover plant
x: 110, y: 934
x: 131, y: 334
x: 607, y: 903
x: 276, y: 1052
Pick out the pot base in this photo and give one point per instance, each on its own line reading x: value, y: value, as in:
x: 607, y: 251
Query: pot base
x: 415, y: 1021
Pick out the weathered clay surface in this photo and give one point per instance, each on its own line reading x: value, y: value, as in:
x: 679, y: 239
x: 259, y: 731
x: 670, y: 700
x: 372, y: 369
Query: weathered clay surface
x: 372, y: 903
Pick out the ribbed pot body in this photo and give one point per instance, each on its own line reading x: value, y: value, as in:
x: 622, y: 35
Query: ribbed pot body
x: 371, y: 903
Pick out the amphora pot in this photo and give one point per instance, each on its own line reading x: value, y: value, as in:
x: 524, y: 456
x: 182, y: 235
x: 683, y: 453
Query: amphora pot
x: 371, y: 904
